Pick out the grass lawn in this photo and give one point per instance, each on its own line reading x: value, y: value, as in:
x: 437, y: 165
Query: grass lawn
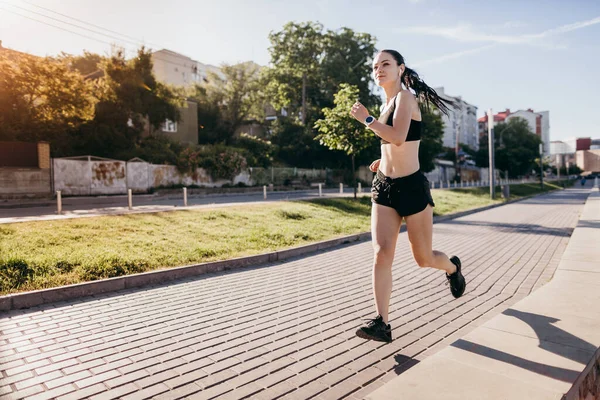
x: 44, y: 254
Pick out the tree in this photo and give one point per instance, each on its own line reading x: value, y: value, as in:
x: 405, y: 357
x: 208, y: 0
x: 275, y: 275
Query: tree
x: 516, y: 148
x: 296, y: 52
x: 41, y: 99
x: 308, y: 65
x: 431, y: 139
x: 85, y: 64
x: 129, y: 97
x: 340, y: 131
x: 227, y: 101
x: 347, y: 59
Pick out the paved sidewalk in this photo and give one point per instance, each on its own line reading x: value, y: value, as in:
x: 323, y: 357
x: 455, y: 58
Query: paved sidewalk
x: 544, y: 347
x: 285, y: 329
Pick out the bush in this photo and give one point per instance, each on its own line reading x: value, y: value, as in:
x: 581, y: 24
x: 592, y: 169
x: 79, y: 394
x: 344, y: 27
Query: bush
x: 220, y: 161
x: 258, y: 152
x: 156, y: 149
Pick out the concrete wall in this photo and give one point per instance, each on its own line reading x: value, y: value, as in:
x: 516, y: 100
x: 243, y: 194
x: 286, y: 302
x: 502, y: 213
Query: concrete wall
x: 25, y: 181
x: 85, y: 178
x: 139, y: 177
x: 92, y: 178
x: 19, y: 182
x: 108, y: 177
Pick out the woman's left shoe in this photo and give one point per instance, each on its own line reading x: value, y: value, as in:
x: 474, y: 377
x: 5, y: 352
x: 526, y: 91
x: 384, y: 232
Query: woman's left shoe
x: 456, y: 280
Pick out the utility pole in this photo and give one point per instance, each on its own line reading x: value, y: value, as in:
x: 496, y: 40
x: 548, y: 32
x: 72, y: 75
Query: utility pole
x: 457, y: 144
x: 492, y: 177
x: 542, y: 165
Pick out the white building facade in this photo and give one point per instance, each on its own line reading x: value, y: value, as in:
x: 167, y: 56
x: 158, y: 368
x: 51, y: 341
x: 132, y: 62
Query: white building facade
x: 176, y: 69
x: 461, y: 122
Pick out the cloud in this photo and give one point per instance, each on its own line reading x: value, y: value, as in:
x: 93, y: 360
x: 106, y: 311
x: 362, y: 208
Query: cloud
x: 452, y: 56
x: 465, y: 33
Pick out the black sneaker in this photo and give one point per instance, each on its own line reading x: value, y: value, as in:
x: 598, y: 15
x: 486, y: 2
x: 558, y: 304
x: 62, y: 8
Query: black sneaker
x: 376, y: 330
x: 456, y: 280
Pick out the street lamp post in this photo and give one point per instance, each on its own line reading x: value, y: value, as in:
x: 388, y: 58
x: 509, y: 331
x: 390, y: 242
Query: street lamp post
x: 492, y: 176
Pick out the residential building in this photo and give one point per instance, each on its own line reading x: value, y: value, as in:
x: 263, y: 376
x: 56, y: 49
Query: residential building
x: 570, y: 146
x: 461, y: 122
x: 179, y: 70
x: 589, y: 160
x: 185, y: 130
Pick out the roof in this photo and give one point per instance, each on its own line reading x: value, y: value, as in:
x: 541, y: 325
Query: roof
x: 500, y: 117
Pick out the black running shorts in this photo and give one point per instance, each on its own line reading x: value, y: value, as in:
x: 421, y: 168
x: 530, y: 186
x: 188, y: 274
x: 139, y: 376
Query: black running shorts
x: 408, y: 195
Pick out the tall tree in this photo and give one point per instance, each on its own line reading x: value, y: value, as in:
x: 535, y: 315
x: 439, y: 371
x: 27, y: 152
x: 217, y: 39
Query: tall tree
x: 431, y: 139
x: 340, y: 131
x: 41, y: 99
x: 129, y: 96
x: 516, y: 148
x: 85, y: 64
x: 296, y: 53
x: 228, y: 100
x: 308, y: 64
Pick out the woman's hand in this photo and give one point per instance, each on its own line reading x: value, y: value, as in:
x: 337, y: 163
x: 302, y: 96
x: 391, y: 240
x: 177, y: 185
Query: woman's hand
x: 359, y: 112
x: 374, y: 165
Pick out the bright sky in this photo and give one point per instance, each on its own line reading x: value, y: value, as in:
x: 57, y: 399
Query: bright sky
x: 515, y: 54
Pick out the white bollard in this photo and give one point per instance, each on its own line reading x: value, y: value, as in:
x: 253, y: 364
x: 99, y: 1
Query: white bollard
x: 359, y: 188
x: 320, y: 190
x: 58, y: 202
x: 462, y: 183
x: 447, y: 184
x: 341, y: 188
x: 595, y: 188
x: 129, y: 199
x: 185, y: 197
x: 264, y: 192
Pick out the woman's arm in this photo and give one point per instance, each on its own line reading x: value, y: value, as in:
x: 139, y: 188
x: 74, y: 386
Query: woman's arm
x: 397, y: 133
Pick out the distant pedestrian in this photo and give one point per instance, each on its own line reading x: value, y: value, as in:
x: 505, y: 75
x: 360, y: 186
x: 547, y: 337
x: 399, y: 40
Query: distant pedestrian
x: 400, y: 190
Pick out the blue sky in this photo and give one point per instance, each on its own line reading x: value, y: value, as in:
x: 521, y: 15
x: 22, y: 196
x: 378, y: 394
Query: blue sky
x: 543, y: 55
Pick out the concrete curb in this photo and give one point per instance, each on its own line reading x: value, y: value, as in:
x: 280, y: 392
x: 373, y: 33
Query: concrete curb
x: 45, y: 296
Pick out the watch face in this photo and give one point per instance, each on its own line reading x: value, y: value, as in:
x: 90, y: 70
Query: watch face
x: 369, y: 119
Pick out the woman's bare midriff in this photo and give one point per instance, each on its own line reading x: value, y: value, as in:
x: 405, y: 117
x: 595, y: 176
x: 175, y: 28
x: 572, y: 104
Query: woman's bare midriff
x: 398, y: 161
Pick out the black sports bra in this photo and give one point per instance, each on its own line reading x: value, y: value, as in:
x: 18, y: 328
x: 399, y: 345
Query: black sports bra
x: 414, y: 130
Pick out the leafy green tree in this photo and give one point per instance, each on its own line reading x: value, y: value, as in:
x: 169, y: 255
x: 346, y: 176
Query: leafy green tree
x: 308, y: 64
x: 41, y: 99
x: 227, y: 101
x: 296, y: 52
x: 516, y: 148
x: 129, y: 97
x: 85, y: 64
x: 340, y: 131
x: 431, y: 139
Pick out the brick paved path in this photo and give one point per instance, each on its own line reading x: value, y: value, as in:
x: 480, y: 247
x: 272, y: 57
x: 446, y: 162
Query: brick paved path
x: 287, y: 329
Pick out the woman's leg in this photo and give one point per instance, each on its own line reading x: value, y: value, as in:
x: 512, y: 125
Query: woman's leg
x: 420, y: 232
x: 385, y: 226
x: 420, y: 235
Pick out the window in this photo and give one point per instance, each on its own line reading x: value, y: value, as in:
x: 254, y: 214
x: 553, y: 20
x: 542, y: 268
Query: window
x: 169, y: 126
